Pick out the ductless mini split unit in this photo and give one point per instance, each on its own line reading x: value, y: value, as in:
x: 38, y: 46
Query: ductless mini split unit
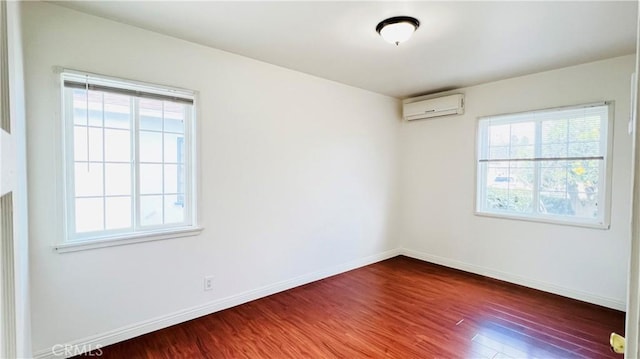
x: 431, y: 108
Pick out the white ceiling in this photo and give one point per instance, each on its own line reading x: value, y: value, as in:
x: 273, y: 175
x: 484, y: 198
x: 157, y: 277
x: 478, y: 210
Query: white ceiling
x: 458, y: 43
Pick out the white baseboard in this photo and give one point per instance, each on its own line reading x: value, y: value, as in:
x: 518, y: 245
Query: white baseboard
x: 137, y: 329
x: 516, y: 279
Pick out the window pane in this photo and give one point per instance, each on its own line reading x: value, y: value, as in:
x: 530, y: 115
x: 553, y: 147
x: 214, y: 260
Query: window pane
x: 117, y: 145
x: 585, y: 204
x: 553, y: 150
x: 150, y: 179
x: 171, y: 178
x: 510, y: 187
x: 556, y: 203
x: 554, y: 132
x: 522, y: 140
x: 553, y: 176
x: 80, y: 113
x: 150, y: 114
x: 150, y: 146
x: 499, y: 135
x: 585, y: 174
x: 584, y: 129
x: 80, y: 138
x: 89, y: 214
x: 499, y: 152
x: 118, y: 179
x: 173, y: 209
x: 583, y: 179
x: 88, y: 179
x: 515, y: 140
x: 174, y: 117
x: 117, y: 111
x: 584, y: 149
x: 570, y: 188
x: 522, y: 151
x: 150, y: 210
x: 510, y: 200
x: 173, y: 148
x: 118, y: 212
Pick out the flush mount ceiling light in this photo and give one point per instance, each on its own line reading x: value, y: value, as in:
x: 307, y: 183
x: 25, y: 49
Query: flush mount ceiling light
x: 397, y: 29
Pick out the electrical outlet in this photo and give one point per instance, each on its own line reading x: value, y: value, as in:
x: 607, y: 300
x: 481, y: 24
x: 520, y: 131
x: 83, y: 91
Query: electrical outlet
x: 208, y: 283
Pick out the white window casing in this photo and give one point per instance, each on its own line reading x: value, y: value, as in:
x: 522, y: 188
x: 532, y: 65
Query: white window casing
x: 550, y: 165
x: 130, y: 161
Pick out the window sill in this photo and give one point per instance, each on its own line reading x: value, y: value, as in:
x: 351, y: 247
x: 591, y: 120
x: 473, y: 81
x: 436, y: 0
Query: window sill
x: 603, y: 226
x: 82, y: 245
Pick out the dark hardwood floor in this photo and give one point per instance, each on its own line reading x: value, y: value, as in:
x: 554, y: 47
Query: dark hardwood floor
x: 398, y: 308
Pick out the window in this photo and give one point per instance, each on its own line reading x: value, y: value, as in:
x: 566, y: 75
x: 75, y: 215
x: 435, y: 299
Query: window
x: 129, y: 158
x: 549, y: 165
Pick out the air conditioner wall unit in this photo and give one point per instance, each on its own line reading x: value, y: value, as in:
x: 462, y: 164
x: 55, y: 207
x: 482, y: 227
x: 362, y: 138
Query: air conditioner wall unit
x: 435, y: 107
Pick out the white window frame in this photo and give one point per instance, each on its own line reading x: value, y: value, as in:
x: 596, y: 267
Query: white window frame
x: 189, y: 227
x: 604, y: 184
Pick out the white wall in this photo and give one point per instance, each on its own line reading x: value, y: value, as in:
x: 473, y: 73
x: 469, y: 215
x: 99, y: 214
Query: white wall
x: 297, y: 182
x: 438, y: 188
x: 18, y: 131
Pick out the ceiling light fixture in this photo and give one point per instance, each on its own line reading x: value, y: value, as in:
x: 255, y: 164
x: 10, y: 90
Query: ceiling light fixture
x: 397, y: 29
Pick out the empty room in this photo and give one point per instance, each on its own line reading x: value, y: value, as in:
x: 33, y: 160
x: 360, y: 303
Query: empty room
x: 319, y: 179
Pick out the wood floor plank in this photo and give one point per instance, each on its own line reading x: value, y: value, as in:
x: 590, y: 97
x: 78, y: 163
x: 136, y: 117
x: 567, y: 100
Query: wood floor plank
x: 398, y: 308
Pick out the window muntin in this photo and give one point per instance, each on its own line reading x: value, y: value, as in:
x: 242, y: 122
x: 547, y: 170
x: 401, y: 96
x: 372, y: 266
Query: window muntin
x: 549, y: 165
x: 129, y: 154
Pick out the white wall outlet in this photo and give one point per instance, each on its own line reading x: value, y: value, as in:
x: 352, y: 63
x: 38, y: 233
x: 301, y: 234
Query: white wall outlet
x: 208, y: 283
